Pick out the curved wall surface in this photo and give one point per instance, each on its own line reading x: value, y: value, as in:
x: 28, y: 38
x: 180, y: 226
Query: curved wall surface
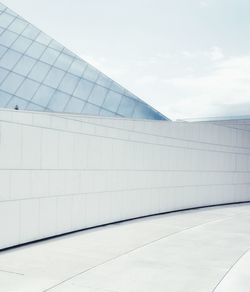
x: 60, y: 173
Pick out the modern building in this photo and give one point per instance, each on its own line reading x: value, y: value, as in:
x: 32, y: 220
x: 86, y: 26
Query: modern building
x: 37, y: 73
x: 82, y: 151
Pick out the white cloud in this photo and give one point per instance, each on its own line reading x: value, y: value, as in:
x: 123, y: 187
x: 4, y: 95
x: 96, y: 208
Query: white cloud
x: 215, y: 53
x: 188, y: 54
x: 216, y: 93
x: 189, y: 84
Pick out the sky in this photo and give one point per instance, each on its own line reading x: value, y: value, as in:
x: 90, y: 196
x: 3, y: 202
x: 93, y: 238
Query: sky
x: 186, y: 58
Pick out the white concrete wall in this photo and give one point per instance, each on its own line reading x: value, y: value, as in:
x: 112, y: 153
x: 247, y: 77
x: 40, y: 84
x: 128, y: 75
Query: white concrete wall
x: 62, y: 173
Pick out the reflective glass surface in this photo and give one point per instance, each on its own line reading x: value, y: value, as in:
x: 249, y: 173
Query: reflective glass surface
x: 38, y: 73
x: 15, y: 101
x: 69, y: 83
x: 54, y: 77
x: 117, y: 87
x: 27, y: 89
x: 2, y: 51
x: 104, y: 81
x: 91, y: 109
x: 12, y: 82
x: 18, y: 25
x: 142, y: 110
x: 55, y: 45
x: 35, y: 50
x: 77, y: 67
x: 112, y: 101
x: 90, y: 73
x: 21, y: 44
x: 11, y: 12
x: 6, y: 19
x: 24, y: 65
x: 3, y: 74
x: 2, y: 7
x: 83, y: 89
x: 98, y: 95
x: 75, y: 105
x: 9, y: 59
x: 34, y: 107
x: 106, y: 113
x: 50, y: 56
x: 43, y: 95
x: 58, y: 101
x: 7, y: 38
x: 127, y: 106
x: 63, y: 61
x: 31, y: 32
x: 4, y: 98
x: 43, y: 39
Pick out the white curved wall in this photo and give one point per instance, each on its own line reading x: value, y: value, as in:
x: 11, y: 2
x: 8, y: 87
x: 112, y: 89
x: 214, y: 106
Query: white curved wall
x: 60, y: 173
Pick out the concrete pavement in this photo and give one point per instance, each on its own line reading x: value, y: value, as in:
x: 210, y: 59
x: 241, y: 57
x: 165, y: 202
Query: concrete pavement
x: 201, y: 250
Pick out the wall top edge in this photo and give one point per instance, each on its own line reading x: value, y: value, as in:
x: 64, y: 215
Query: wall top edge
x: 67, y: 115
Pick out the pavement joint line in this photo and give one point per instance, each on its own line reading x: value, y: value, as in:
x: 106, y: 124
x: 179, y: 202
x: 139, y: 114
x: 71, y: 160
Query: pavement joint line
x: 10, y: 272
x: 137, y: 248
x: 230, y: 269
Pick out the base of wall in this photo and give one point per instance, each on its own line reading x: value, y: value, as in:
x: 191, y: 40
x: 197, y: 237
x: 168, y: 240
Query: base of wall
x: 117, y: 222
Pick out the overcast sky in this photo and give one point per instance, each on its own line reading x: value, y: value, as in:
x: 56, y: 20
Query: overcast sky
x: 187, y: 58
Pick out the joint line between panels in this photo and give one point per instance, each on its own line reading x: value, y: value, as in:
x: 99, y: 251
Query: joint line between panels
x: 135, y: 249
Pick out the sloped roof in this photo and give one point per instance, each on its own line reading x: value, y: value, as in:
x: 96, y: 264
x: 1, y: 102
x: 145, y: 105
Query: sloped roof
x: 38, y: 73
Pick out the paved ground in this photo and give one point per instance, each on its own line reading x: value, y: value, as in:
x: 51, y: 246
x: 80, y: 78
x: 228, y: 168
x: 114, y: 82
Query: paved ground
x: 202, y: 250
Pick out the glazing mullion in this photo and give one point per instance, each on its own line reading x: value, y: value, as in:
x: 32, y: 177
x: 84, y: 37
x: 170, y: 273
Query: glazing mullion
x: 65, y: 73
x: 10, y: 71
x: 77, y: 83
x: 52, y: 66
x: 20, y: 74
x: 42, y: 81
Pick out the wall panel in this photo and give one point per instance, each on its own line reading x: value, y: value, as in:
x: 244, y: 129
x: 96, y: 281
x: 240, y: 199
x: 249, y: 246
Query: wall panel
x: 60, y: 173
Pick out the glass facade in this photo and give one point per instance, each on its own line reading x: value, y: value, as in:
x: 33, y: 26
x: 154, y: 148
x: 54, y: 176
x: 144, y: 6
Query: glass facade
x: 38, y: 73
